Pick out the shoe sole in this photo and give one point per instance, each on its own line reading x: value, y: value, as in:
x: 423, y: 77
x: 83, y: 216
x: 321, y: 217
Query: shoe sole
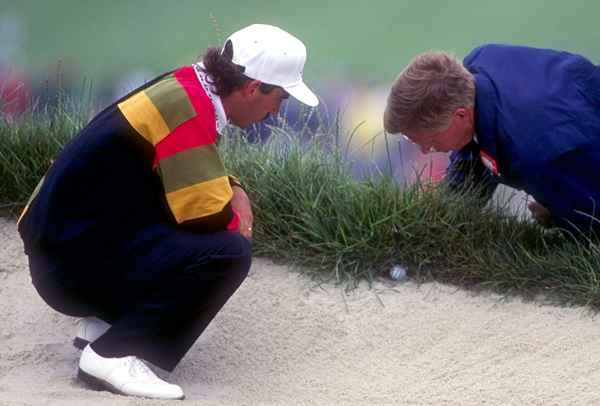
x: 80, y: 343
x: 99, y: 385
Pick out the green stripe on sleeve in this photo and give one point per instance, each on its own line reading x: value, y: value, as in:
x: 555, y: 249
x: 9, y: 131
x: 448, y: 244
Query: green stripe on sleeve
x: 172, y: 101
x: 189, y: 167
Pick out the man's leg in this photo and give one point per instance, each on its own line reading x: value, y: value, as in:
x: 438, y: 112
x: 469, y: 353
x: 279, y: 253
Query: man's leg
x: 164, y: 312
x: 55, y: 289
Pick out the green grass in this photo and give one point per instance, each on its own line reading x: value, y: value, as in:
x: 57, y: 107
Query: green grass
x: 312, y: 213
x: 29, y: 144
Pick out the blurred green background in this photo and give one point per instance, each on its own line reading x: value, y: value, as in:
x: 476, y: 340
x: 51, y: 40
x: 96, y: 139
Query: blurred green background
x: 355, y: 48
x: 363, y: 40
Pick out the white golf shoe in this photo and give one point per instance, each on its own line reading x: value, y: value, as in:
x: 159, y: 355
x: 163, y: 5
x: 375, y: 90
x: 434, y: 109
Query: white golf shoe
x: 89, y: 330
x: 126, y: 376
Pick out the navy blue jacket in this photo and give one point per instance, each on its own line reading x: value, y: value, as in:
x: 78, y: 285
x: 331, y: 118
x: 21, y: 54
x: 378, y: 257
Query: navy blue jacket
x: 537, y: 124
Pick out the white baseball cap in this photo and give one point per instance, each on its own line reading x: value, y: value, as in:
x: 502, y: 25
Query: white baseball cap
x: 273, y: 56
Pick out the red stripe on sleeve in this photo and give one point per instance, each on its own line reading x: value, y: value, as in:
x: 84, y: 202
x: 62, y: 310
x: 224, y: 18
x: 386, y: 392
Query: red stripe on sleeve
x: 201, y: 130
x: 188, y: 135
x: 200, y: 100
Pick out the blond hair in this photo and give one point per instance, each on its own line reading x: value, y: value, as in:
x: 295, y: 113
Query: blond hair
x: 427, y: 93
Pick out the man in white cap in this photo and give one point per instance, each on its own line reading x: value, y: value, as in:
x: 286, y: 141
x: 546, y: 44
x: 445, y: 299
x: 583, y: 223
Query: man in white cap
x: 138, y: 228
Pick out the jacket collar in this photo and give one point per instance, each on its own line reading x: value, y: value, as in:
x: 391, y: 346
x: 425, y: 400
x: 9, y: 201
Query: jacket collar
x: 204, y: 79
x: 485, y: 114
x: 486, y: 119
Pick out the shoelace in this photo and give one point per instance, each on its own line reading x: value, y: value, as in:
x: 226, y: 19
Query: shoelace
x: 138, y: 368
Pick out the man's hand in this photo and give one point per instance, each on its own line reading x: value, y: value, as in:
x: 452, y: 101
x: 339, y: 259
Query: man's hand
x: 241, y: 204
x: 541, y: 214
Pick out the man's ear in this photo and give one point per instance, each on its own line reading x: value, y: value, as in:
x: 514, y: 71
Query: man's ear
x: 464, y: 115
x: 251, y: 87
x: 461, y: 113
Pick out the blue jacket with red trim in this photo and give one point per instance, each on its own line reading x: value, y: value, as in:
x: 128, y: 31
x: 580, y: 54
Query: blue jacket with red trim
x: 537, y: 123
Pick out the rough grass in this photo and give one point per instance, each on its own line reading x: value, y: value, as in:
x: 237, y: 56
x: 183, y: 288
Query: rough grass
x: 29, y: 143
x: 311, y: 212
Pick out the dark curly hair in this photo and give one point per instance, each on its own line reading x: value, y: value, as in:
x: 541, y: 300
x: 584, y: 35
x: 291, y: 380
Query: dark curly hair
x: 226, y: 76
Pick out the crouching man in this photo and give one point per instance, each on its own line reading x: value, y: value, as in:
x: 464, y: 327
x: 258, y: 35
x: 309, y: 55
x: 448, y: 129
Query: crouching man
x: 138, y: 228
x: 525, y: 117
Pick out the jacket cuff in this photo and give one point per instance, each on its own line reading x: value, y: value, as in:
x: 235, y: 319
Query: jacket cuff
x: 234, y: 182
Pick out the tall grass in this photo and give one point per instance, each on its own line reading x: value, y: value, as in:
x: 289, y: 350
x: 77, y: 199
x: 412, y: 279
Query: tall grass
x: 29, y: 142
x: 311, y: 212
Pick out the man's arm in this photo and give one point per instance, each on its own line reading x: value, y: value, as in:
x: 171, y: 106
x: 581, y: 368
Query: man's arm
x: 569, y: 188
x: 240, y: 203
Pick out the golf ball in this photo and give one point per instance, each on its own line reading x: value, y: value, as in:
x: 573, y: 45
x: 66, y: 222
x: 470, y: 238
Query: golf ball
x: 398, y: 273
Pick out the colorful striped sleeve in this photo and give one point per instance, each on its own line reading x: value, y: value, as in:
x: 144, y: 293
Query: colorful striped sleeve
x: 177, y: 117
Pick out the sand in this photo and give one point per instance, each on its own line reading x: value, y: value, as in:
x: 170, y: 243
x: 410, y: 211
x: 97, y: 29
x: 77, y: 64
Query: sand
x: 281, y: 340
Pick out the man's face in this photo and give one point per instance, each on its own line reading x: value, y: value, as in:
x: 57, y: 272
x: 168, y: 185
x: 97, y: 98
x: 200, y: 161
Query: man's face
x: 458, y: 134
x: 258, y: 105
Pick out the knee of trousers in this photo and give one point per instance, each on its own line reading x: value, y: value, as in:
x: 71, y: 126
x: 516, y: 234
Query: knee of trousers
x: 234, y: 254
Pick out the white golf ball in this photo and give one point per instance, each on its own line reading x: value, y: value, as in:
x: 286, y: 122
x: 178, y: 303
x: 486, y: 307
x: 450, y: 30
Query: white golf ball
x: 398, y: 273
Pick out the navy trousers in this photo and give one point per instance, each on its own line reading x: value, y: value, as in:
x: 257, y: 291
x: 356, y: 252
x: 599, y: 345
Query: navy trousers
x: 158, y: 295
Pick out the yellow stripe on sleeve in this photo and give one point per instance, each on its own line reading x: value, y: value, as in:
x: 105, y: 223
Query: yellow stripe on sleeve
x: 143, y: 115
x: 200, y: 200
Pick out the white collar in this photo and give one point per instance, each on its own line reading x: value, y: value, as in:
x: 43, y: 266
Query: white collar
x: 220, y: 116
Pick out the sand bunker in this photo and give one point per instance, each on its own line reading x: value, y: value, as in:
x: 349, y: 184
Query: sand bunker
x: 281, y: 340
